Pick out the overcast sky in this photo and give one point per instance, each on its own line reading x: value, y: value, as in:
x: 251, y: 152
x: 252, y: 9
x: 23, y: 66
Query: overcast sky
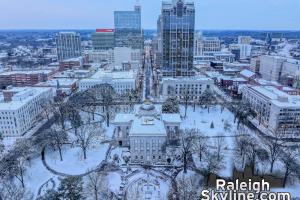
x: 91, y: 14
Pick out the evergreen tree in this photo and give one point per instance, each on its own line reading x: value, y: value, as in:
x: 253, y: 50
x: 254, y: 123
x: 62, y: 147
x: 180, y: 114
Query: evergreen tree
x: 50, y: 195
x: 212, y: 126
x: 71, y: 188
x: 1, y: 145
x: 171, y: 105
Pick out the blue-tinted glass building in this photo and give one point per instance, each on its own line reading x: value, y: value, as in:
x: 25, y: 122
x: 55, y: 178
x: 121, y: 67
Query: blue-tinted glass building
x: 177, y: 32
x: 128, y: 28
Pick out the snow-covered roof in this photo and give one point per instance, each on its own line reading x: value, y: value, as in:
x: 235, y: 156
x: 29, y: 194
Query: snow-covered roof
x: 171, y: 118
x: 247, y: 73
x: 22, y: 96
x: 27, y: 72
x: 114, y: 74
x: 61, y: 81
x: 147, y: 126
x: 278, y: 97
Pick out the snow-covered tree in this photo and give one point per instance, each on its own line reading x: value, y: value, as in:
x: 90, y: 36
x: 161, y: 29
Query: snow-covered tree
x: 61, y: 113
x: 289, y: 159
x: 171, y: 105
x: 207, y: 99
x: 75, y: 119
x: 200, y: 145
x: 54, y: 137
x: 86, y: 101
x: 242, y: 111
x: 219, y: 146
x: 9, y: 190
x: 131, y: 97
x: 97, y: 185
x: 186, y: 98
x: 213, y: 164
x: 86, y: 135
x: 16, y: 160
x: 227, y: 126
x: 71, y: 188
x: 47, y: 108
x: 186, y: 145
x: 255, y: 153
x: 105, y: 95
x: 1, y: 145
x: 241, y: 142
x: 274, y: 147
x: 188, y: 187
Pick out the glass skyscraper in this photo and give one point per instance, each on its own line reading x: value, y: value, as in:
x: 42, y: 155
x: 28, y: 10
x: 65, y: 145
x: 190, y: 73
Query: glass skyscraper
x: 128, y: 28
x: 177, y: 32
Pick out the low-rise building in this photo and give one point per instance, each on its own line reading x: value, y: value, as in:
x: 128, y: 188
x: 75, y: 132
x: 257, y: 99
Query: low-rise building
x: 121, y: 81
x: 24, y: 78
x: 193, y: 86
x: 60, y: 86
x: 147, y: 133
x: 21, y: 108
x: 117, y: 57
x: 71, y: 63
x: 276, y: 110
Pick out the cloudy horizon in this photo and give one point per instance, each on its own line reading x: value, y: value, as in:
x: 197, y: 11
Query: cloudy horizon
x: 92, y: 14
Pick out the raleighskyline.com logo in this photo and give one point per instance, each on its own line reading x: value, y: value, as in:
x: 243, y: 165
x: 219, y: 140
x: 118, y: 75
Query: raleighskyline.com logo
x: 238, y: 190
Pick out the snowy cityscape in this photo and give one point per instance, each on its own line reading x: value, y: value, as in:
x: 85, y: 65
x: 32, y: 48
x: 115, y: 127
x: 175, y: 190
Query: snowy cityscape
x: 129, y: 113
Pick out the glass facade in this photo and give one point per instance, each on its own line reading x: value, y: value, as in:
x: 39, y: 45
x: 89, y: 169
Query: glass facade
x: 103, y: 40
x: 178, y: 26
x: 128, y: 29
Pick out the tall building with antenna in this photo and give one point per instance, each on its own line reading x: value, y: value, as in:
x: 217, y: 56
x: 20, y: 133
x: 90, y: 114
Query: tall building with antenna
x: 128, y: 28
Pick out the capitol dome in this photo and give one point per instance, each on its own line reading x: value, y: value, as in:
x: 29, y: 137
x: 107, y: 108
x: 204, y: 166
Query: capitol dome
x: 147, y: 109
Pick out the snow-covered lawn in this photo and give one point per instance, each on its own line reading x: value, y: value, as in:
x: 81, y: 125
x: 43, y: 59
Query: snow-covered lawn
x: 201, y: 119
x: 73, y: 162
x: 36, y: 175
x: 293, y: 190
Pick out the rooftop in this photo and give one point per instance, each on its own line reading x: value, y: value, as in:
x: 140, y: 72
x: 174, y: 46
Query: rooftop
x: 26, y: 72
x: 193, y: 78
x: 147, y: 120
x: 247, y: 73
x: 114, y: 74
x: 22, y: 97
x: 61, y: 81
x: 278, y: 97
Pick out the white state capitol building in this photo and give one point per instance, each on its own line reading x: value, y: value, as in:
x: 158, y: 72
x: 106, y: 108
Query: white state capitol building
x: 147, y: 133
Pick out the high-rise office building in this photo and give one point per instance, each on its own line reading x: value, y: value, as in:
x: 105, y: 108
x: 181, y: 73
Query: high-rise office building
x: 206, y: 45
x: 68, y: 45
x: 178, y: 27
x: 103, y: 39
x: 244, y: 40
x: 128, y: 28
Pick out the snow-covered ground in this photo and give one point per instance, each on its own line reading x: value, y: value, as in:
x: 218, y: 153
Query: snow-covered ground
x: 201, y: 119
x: 148, y: 185
x: 73, y: 162
x: 144, y: 184
x: 36, y: 175
x: 114, y: 181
